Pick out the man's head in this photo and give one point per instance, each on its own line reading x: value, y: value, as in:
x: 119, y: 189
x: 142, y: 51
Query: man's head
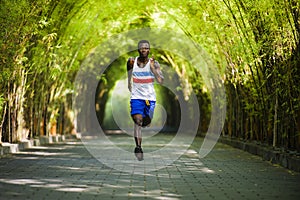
x: 143, y: 42
x: 144, y: 48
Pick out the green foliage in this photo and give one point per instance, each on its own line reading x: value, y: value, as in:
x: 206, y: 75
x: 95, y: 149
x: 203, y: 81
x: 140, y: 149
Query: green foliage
x: 255, y: 45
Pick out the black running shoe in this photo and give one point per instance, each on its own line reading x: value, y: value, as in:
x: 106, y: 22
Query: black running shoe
x: 138, y: 151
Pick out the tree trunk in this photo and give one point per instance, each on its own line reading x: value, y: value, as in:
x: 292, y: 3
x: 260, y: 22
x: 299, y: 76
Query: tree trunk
x: 275, y: 121
x: 2, y: 122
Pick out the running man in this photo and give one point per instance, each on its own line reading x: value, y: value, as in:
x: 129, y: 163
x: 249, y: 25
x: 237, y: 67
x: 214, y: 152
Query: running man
x: 141, y: 73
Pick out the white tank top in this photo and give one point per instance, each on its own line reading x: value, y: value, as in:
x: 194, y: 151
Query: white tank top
x: 142, y: 82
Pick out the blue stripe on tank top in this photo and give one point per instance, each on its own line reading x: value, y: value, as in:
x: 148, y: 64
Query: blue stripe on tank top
x: 142, y: 74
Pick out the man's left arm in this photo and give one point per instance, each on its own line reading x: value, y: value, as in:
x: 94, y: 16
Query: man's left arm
x: 155, y: 68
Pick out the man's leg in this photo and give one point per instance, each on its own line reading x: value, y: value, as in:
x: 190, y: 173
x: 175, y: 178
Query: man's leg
x: 137, y: 134
x: 146, y: 121
x: 148, y: 112
x: 138, y: 121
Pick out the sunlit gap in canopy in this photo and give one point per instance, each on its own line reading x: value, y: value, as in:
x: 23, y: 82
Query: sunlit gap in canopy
x: 117, y: 111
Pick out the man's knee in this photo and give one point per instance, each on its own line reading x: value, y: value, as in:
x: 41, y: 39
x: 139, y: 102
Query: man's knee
x: 138, y: 119
x: 146, y: 121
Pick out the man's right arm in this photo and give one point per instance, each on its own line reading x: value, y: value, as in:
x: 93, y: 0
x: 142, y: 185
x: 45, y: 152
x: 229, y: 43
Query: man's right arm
x: 129, y: 71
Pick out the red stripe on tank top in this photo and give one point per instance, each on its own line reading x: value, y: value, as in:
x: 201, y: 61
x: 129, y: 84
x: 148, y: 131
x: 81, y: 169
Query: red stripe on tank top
x: 146, y: 80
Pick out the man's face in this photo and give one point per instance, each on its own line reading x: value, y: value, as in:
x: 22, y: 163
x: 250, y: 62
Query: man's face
x: 144, y: 50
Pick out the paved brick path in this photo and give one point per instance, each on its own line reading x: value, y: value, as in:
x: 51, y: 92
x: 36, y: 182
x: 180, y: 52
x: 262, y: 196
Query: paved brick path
x: 67, y: 171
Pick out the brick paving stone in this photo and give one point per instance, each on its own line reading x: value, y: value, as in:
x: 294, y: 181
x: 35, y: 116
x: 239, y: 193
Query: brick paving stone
x: 68, y: 171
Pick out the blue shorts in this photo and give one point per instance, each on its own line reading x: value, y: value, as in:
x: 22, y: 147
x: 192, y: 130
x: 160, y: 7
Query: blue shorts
x: 139, y: 106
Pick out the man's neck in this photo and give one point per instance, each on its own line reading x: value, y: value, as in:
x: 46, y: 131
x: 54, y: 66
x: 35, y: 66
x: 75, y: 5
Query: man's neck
x: 143, y: 59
